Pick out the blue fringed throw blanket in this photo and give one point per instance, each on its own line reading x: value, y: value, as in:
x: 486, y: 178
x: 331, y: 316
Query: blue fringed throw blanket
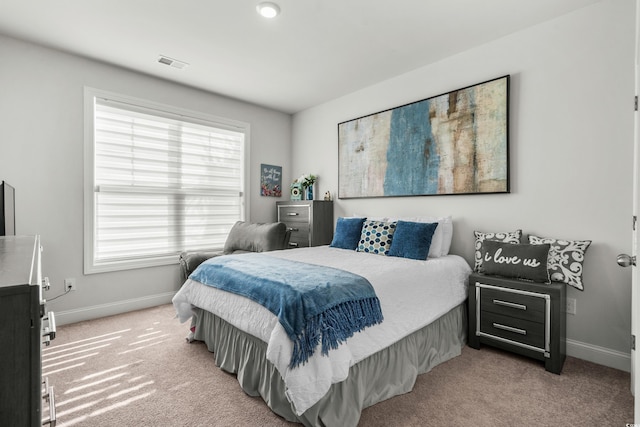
x: 313, y: 303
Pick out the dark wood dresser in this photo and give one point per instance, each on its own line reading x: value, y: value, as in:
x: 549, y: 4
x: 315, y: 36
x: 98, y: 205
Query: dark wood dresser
x: 24, y: 327
x: 310, y: 221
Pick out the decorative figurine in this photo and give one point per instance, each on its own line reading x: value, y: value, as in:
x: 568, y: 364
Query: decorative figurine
x: 296, y: 191
x: 305, y: 183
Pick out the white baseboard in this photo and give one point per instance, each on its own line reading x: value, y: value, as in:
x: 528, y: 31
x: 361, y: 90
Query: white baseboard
x: 102, y: 310
x: 600, y: 355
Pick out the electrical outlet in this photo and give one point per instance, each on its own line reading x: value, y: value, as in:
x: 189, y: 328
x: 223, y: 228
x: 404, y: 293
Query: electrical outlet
x: 70, y: 284
x: 571, y: 306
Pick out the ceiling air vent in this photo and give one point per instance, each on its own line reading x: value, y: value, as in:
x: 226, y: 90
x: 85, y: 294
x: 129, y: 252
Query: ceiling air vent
x: 172, y: 62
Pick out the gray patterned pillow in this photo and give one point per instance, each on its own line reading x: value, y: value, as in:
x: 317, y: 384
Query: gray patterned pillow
x: 565, y: 259
x: 506, y: 237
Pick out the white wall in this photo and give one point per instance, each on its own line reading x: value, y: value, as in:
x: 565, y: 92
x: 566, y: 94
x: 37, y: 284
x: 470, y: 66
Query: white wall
x: 41, y: 155
x: 571, y: 142
x: 571, y: 157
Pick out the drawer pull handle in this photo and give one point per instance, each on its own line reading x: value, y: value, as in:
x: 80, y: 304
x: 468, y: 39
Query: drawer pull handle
x: 510, y: 329
x: 510, y: 304
x: 49, y: 396
x: 294, y: 244
x: 49, y: 330
x: 293, y: 213
x: 293, y: 229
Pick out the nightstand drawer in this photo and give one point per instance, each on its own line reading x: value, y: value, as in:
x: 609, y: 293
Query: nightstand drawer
x: 513, y: 304
x: 289, y: 214
x: 518, y: 330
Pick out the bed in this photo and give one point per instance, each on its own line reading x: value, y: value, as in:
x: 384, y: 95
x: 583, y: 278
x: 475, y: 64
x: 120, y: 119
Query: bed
x: 423, y: 303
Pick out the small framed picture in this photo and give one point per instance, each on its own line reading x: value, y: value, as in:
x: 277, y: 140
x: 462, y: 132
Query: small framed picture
x: 270, y: 180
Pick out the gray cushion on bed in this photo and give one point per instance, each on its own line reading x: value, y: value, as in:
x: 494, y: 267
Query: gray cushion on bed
x: 251, y: 237
x: 243, y: 237
x: 190, y: 260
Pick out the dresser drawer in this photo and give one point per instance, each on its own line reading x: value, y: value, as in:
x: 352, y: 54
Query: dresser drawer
x: 288, y: 214
x: 508, y: 303
x: 299, y: 240
x: 298, y: 228
x: 518, y: 330
x: 299, y: 234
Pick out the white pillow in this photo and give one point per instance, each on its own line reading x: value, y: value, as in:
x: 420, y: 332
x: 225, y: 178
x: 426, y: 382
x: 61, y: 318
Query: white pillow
x: 441, y: 240
x: 371, y: 218
x: 447, y: 233
x: 444, y: 234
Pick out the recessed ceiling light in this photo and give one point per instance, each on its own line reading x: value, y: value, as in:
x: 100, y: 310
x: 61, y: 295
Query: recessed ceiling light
x: 268, y: 9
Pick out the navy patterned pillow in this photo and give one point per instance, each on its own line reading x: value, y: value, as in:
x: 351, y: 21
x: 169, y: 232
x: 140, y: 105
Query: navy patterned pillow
x: 376, y: 237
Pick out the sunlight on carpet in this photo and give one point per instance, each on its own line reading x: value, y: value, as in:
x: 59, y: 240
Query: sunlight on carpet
x: 136, y: 369
x: 97, y: 393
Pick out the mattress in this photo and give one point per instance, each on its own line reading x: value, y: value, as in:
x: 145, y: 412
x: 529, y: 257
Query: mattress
x: 412, y: 294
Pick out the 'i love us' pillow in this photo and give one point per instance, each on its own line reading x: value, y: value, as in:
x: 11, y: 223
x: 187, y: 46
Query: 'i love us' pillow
x: 514, y: 260
x: 507, y: 237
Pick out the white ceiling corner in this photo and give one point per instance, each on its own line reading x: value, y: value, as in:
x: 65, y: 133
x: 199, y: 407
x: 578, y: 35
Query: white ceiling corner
x: 314, y: 51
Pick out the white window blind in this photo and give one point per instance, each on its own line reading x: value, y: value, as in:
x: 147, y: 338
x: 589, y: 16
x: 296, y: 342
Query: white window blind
x: 163, y: 183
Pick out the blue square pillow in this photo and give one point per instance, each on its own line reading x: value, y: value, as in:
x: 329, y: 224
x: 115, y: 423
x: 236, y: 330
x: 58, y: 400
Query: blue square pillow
x: 347, y: 233
x: 412, y: 239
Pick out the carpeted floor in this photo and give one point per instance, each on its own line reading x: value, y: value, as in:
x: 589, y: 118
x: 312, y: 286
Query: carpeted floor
x: 136, y: 369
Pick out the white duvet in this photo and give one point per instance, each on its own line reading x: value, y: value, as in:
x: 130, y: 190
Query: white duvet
x: 412, y: 294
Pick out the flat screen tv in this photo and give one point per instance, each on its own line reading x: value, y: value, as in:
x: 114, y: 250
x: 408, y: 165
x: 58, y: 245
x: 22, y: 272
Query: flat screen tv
x: 7, y: 210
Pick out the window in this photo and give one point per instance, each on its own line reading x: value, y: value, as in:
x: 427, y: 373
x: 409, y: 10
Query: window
x: 158, y: 181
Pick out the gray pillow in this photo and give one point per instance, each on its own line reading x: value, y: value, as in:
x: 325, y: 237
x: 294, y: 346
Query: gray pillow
x: 255, y: 237
x: 509, y: 237
x: 515, y: 260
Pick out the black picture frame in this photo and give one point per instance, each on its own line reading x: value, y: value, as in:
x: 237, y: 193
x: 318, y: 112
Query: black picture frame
x: 453, y: 143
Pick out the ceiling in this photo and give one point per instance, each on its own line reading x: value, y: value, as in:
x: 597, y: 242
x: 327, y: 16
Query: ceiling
x: 314, y: 51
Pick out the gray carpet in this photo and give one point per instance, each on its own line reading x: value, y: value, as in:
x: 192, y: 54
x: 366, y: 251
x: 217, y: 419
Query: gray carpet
x: 136, y: 369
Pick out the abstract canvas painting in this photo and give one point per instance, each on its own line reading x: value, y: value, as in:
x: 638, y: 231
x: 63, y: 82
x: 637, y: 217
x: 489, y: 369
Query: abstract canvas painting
x: 455, y: 143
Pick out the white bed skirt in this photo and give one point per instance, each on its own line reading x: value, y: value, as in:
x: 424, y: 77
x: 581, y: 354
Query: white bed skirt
x: 370, y: 381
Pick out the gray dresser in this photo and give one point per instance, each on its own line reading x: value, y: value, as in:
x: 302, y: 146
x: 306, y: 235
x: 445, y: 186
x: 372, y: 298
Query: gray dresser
x: 25, y: 326
x: 310, y: 221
